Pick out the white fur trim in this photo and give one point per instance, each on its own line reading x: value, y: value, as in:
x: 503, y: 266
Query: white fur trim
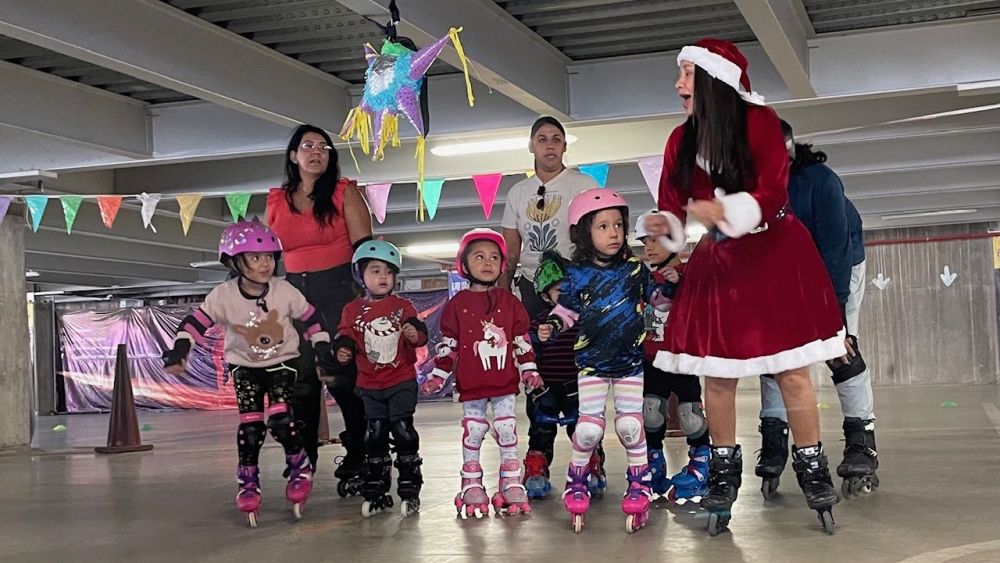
x: 713, y: 366
x: 719, y: 67
x: 742, y: 213
x: 443, y: 375
x: 677, y: 238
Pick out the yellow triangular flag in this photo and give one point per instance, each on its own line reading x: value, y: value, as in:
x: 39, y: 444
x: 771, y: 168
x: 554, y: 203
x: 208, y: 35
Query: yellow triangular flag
x: 529, y: 173
x: 189, y: 204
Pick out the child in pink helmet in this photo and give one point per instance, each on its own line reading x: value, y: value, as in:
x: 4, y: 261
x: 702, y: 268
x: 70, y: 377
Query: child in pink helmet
x: 485, y: 343
x: 602, y: 295
x: 262, y: 350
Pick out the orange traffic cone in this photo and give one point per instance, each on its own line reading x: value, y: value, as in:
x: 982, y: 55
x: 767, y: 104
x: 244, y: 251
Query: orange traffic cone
x: 123, y: 431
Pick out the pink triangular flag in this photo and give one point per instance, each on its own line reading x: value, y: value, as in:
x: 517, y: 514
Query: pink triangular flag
x: 378, y: 199
x: 487, y: 186
x: 4, y: 206
x: 651, y: 168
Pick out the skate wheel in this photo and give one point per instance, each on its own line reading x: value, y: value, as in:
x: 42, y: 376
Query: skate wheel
x: 409, y: 507
x: 366, y: 509
x: 769, y: 488
x: 478, y: 512
x: 715, y: 524
x: 578, y: 523
x: 342, y: 489
x: 297, y: 510
x: 826, y: 519
x: 252, y: 519
x: 630, y: 524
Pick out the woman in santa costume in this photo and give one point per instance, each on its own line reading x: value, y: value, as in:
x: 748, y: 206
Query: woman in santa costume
x: 756, y: 297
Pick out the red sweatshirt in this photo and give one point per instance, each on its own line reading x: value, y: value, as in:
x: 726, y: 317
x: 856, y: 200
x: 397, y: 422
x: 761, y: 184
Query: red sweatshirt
x: 484, y: 341
x: 384, y: 357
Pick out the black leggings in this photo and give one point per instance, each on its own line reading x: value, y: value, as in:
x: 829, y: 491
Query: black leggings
x: 661, y: 384
x: 252, y: 384
x: 329, y: 291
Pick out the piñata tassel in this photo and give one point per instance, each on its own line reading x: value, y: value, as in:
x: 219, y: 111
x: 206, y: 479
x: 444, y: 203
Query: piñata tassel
x: 419, y: 155
x: 453, y: 34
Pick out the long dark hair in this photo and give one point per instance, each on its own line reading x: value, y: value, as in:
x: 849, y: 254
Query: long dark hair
x: 717, y: 132
x: 322, y: 194
x: 804, y: 153
x: 583, y: 245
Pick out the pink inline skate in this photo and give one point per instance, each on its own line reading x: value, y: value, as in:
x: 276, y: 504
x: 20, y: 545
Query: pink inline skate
x: 300, y: 476
x: 638, y: 497
x: 472, y: 500
x: 248, y: 495
x: 576, y: 497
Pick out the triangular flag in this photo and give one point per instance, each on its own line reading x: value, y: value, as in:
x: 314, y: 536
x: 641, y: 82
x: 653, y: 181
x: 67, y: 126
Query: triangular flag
x: 599, y: 172
x: 378, y: 199
x: 4, y: 206
x: 149, y: 203
x: 36, y: 205
x: 109, y: 204
x: 238, y: 204
x: 487, y: 186
x: 189, y: 204
x: 651, y: 168
x: 70, y: 205
x: 529, y: 173
x: 432, y: 195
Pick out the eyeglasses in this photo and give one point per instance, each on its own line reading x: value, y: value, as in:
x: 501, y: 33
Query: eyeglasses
x: 310, y: 146
x: 541, y: 197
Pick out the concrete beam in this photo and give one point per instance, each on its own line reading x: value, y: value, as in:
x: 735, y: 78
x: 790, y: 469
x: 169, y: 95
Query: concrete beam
x: 163, y: 45
x: 498, y: 46
x: 62, y: 109
x: 780, y: 29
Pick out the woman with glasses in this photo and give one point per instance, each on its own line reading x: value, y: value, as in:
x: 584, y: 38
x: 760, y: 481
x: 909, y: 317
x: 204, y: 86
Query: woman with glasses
x: 535, y: 221
x: 321, y: 219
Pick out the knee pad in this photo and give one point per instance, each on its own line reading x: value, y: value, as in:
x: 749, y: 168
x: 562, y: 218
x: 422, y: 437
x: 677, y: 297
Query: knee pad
x: 843, y: 371
x: 654, y: 412
x: 693, y: 422
x: 589, y: 431
x: 407, y: 439
x: 546, y: 431
x: 377, y: 437
x: 251, y: 434
x: 473, y: 432
x: 505, y: 431
x: 280, y: 422
x: 629, y: 429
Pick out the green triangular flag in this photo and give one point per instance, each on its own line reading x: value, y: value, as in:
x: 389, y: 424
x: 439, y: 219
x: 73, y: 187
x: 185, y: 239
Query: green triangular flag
x: 432, y: 195
x: 36, y: 205
x: 238, y: 204
x: 70, y: 205
x: 949, y: 404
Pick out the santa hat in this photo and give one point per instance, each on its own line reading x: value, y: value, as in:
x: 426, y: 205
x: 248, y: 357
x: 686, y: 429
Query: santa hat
x: 723, y: 61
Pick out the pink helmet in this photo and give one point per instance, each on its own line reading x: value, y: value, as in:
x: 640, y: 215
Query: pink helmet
x: 476, y: 235
x: 247, y: 236
x: 593, y: 200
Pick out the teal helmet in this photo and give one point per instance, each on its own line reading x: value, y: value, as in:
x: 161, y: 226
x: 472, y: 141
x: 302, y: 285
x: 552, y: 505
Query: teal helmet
x: 375, y: 250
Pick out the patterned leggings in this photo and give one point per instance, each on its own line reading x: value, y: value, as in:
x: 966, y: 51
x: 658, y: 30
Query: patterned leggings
x: 252, y: 384
x: 628, y: 417
x: 475, y: 425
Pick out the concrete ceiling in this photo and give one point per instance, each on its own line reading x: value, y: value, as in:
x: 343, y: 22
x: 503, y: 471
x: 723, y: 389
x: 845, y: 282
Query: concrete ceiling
x: 200, y: 95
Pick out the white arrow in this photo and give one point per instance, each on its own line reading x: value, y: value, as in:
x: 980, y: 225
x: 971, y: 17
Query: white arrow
x: 947, y: 277
x: 881, y: 281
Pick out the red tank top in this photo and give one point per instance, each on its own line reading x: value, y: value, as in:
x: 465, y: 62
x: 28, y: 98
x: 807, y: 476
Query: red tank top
x: 309, y: 246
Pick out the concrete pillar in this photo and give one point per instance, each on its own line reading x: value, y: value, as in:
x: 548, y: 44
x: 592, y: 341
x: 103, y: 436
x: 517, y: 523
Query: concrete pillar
x: 15, y: 367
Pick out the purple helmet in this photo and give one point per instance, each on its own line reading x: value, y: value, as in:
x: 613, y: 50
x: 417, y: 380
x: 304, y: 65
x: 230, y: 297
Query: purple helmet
x: 247, y: 236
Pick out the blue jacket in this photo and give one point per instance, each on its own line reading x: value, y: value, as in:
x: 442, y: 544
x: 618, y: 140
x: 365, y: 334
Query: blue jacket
x: 817, y: 198
x: 857, y: 236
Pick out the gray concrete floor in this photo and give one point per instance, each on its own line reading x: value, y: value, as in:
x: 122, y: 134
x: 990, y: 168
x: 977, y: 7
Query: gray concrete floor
x: 939, y: 500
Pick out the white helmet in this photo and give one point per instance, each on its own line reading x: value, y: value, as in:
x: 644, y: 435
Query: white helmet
x: 640, y: 224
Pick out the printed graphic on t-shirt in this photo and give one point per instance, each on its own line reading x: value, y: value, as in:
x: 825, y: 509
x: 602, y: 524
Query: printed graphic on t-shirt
x: 492, y: 346
x: 655, y: 321
x: 542, y: 223
x: 264, y: 335
x: 381, y: 337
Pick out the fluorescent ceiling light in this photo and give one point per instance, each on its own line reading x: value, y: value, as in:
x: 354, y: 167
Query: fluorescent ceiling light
x: 58, y: 292
x: 438, y: 249
x: 31, y: 274
x: 928, y: 214
x: 205, y: 264
x: 492, y: 145
x: 29, y: 175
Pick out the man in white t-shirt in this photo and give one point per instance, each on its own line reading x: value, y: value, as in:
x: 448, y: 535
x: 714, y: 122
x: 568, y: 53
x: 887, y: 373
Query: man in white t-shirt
x: 535, y: 217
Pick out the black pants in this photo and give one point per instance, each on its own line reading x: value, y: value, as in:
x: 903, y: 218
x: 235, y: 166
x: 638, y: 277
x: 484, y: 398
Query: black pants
x: 662, y: 384
x: 329, y: 291
x: 252, y: 385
